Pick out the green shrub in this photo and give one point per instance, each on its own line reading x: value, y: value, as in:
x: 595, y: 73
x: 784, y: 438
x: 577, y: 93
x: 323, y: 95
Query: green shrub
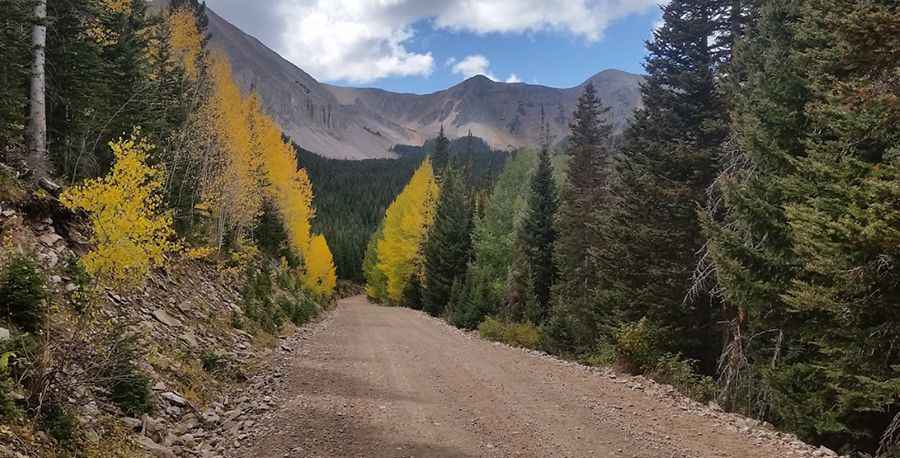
x: 237, y: 322
x: 83, y: 295
x: 59, y: 424
x: 213, y: 362
x: 129, y: 388
x: 637, y: 346
x: 298, y: 308
x: 259, y: 305
x: 492, y: 329
x: 16, y: 363
x: 8, y: 408
x: 524, y: 335
x: 132, y: 394
x: 604, y: 355
x: 681, y: 374
x: 22, y: 293
x: 12, y: 190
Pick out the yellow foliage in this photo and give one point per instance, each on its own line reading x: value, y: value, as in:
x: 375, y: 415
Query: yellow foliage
x: 199, y: 252
x: 130, y: 230
x: 250, y: 162
x: 320, y: 277
x: 288, y: 186
x: 101, y: 33
x: 232, y: 190
x: 185, y: 40
x: 116, y: 6
x: 406, y: 223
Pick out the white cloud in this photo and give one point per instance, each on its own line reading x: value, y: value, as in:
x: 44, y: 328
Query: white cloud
x: 473, y: 65
x: 366, y: 40
x: 583, y: 18
x: 477, y: 64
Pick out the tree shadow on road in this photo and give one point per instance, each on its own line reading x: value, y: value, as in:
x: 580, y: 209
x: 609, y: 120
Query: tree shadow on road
x: 313, y: 432
x: 315, y: 381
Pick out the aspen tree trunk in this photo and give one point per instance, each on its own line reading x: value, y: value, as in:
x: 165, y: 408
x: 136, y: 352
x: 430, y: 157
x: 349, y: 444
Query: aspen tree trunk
x: 37, y: 159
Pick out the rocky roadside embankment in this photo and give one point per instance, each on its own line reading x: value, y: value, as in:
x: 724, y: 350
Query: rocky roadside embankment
x: 184, y: 319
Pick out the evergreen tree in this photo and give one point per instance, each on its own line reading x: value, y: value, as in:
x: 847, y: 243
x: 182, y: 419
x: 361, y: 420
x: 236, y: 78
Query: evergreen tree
x: 412, y: 293
x: 15, y: 55
x: 536, y: 240
x: 669, y: 159
x: 584, y: 192
x: 805, y: 245
x: 376, y: 281
x: 493, y: 241
x: 440, y: 157
x: 749, y: 242
x: 448, y: 248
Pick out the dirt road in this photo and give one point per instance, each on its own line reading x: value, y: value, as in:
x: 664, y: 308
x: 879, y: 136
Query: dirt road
x: 389, y: 382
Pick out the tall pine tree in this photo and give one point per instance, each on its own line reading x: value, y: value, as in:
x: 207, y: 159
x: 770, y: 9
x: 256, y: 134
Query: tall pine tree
x: 749, y: 256
x: 440, y: 158
x: 493, y: 241
x: 532, y: 282
x: 669, y: 158
x: 585, y: 191
x: 15, y: 55
x: 448, y: 247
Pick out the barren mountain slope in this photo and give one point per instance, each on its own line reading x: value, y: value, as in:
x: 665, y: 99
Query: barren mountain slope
x: 306, y: 111
x: 504, y: 114
x: 351, y: 123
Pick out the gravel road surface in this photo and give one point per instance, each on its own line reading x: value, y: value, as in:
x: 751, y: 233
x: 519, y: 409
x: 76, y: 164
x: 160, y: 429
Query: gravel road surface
x: 391, y: 382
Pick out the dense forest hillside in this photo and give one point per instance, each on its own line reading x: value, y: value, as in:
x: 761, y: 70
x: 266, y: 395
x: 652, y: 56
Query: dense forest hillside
x: 352, y: 196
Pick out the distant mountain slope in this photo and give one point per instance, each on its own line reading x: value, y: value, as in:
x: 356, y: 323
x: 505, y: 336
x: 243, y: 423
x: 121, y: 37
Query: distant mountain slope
x: 306, y: 110
x: 352, y: 123
x: 502, y: 113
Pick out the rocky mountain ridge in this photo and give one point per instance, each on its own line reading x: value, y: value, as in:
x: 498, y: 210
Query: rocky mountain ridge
x: 363, y: 123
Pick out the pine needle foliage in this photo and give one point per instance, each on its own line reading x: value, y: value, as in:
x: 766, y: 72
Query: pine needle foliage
x: 448, y: 248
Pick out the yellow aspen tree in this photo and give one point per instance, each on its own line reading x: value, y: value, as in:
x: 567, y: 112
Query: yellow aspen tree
x: 406, y: 224
x: 131, y: 231
x: 185, y: 40
x: 232, y: 191
x: 247, y: 160
x: 320, y: 277
x: 288, y: 186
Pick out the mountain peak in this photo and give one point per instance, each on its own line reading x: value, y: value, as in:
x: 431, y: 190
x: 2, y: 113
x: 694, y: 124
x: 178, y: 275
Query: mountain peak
x: 612, y: 75
x: 478, y: 79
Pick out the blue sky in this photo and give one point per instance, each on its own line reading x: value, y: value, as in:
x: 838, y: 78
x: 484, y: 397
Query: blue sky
x: 423, y: 46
